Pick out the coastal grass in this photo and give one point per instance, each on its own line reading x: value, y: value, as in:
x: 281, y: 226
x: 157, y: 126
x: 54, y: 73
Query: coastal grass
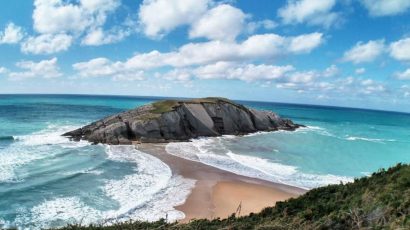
x: 161, y: 107
x: 381, y: 201
x: 164, y: 106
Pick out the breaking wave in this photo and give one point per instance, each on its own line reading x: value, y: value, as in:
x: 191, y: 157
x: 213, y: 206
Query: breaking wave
x: 149, y: 191
x: 213, y: 152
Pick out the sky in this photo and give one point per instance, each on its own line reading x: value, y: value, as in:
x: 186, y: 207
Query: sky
x: 352, y: 53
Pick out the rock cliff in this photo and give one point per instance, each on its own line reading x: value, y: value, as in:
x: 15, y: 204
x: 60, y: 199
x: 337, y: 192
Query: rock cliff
x: 181, y: 120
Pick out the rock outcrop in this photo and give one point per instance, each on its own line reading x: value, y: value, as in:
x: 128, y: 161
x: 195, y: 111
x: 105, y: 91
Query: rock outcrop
x: 172, y: 120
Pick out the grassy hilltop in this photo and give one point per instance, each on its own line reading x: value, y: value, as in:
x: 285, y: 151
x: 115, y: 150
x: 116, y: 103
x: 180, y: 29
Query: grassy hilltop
x: 381, y: 201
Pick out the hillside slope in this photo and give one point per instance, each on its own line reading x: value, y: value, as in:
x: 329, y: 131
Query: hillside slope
x: 381, y: 201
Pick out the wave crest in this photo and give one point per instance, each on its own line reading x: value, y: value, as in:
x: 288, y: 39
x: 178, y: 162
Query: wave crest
x: 211, y: 151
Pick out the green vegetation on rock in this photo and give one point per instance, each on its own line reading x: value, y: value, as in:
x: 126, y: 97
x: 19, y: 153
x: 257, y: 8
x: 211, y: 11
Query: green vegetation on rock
x: 169, y: 105
x: 164, y: 106
x: 381, y: 201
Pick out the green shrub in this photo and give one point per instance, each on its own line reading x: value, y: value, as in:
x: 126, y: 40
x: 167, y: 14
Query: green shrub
x: 381, y: 201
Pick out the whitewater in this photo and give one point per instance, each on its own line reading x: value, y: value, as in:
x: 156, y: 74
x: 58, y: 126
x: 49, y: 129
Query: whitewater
x: 46, y: 180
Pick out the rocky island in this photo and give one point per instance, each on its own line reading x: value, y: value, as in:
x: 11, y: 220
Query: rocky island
x: 181, y: 120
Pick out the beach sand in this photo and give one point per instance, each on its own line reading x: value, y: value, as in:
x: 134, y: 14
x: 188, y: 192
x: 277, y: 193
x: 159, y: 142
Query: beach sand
x: 219, y: 193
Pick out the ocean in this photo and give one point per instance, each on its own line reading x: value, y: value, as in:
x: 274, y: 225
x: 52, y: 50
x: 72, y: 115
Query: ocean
x: 49, y: 181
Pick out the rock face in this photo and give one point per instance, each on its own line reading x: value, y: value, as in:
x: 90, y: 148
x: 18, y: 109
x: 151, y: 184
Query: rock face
x: 167, y: 121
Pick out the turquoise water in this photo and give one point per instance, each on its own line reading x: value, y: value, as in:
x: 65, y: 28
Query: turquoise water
x: 48, y: 181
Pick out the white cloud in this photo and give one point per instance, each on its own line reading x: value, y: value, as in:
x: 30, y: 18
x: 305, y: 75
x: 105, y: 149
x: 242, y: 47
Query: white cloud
x: 3, y: 70
x: 265, y: 24
x: 228, y: 70
x: 57, y: 16
x: 262, y: 45
x: 96, y: 67
x: 181, y: 75
x: 364, y: 52
x: 310, y: 81
x: 12, y: 34
x: 60, y: 22
x: 386, y: 7
x: 205, y: 18
x: 405, y: 90
x: 98, y: 37
x: 223, y: 22
x: 360, y: 71
x: 307, y: 78
x: 254, y: 48
x: 102, y: 67
x: 247, y: 72
x: 158, y: 17
x: 405, y: 75
x: 46, y: 44
x: 135, y: 76
x: 400, y: 50
x: 305, y: 43
x: 331, y: 71
x: 30, y: 69
x: 214, y: 70
x: 312, y: 12
x: 53, y: 16
x: 218, y: 53
x: 371, y: 87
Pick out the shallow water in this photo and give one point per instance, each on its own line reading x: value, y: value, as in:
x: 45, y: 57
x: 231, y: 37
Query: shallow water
x: 48, y: 181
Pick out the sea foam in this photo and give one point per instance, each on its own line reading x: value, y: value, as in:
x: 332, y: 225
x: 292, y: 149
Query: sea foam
x: 213, y: 152
x: 150, y: 193
x: 375, y: 140
x: 31, y: 147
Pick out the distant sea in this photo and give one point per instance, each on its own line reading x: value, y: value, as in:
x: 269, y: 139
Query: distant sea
x: 48, y: 181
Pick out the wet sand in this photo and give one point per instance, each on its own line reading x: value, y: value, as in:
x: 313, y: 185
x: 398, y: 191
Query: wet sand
x: 219, y: 193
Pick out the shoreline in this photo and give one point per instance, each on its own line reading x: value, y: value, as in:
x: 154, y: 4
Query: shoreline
x: 218, y: 193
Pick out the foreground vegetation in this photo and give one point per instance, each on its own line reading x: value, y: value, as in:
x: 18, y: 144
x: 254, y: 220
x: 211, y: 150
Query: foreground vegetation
x: 381, y: 201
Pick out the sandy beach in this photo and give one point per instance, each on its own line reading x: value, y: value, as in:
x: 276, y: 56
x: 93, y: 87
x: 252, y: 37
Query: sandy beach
x: 219, y: 193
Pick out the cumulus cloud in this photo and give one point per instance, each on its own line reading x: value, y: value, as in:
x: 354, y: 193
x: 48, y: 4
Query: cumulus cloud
x: 12, y: 34
x: 57, y: 16
x: 257, y: 47
x: 331, y: 71
x: 47, y: 44
x: 305, y: 43
x: 204, y: 19
x: 400, y: 50
x: 370, y: 86
x: 103, y: 67
x: 405, y: 91
x: 180, y: 75
x: 230, y: 71
x: 98, y: 36
x: 3, y: 70
x: 310, y: 81
x: 360, y: 71
x: 266, y: 24
x: 364, y: 52
x: 386, y: 8
x: 405, y: 75
x: 59, y: 22
x: 224, y: 22
x: 30, y: 69
x: 244, y: 72
x: 312, y: 12
x: 174, y: 13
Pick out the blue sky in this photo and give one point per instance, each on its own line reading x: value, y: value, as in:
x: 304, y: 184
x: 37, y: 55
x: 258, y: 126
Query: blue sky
x: 352, y: 53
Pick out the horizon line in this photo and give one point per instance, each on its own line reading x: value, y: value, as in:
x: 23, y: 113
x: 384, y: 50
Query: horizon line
x: 179, y: 97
